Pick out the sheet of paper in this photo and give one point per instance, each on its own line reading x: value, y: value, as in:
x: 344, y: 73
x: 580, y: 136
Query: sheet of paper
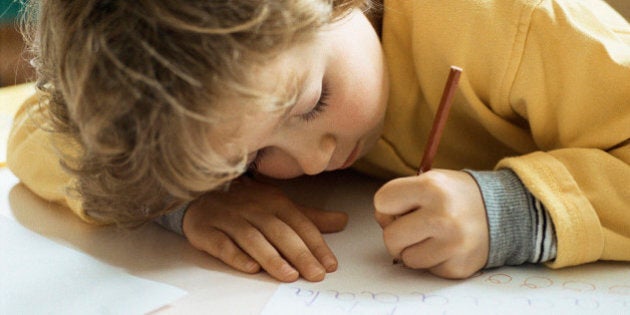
x: 39, y: 276
x: 590, y: 290
x: 368, y: 283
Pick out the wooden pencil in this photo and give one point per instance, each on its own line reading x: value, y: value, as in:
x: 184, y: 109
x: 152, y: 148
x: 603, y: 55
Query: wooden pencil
x: 435, y: 135
x: 430, y: 149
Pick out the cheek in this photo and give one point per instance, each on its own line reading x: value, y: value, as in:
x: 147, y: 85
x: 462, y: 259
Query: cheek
x: 364, y: 90
x: 364, y: 106
x: 278, y: 165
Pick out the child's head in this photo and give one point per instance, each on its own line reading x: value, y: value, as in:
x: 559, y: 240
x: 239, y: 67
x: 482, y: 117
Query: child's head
x: 336, y: 111
x: 168, y: 99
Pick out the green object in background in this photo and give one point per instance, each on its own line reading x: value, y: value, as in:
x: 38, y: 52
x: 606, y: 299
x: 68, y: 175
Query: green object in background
x: 9, y: 11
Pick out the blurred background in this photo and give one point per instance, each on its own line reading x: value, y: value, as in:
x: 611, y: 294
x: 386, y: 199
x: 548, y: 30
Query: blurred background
x: 14, y: 66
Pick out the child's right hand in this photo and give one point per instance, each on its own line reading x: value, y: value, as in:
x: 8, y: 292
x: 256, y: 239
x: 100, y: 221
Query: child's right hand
x: 255, y: 225
x: 435, y: 221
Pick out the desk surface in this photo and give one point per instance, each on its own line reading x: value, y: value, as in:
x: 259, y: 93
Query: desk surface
x: 153, y: 253
x: 365, y: 272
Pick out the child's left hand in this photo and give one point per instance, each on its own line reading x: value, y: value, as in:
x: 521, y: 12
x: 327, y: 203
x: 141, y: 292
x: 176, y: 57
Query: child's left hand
x: 255, y: 225
x: 435, y: 221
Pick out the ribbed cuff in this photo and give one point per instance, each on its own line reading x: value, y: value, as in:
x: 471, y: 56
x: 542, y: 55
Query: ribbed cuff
x: 510, y: 220
x: 174, y: 220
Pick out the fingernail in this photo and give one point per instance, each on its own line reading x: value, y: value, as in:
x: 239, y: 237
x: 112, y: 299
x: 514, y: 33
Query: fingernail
x: 330, y: 263
x: 288, y: 271
x: 315, y: 273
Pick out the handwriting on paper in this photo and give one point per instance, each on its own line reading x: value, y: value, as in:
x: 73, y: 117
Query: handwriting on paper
x: 492, y: 293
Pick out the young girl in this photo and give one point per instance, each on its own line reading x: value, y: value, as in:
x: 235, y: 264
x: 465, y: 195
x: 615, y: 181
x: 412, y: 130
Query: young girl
x: 158, y: 107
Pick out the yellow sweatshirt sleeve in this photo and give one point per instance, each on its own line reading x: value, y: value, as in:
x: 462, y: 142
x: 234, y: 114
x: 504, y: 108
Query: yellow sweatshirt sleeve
x: 32, y: 157
x: 572, y: 85
x: 545, y: 92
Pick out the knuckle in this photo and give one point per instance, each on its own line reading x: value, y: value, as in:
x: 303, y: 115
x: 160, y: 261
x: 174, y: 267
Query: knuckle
x: 217, y: 245
x: 221, y: 247
x: 224, y: 248
x: 320, y: 250
x: 303, y: 256
x: 436, y: 178
x: 436, y: 183
x: 218, y: 241
x: 302, y: 223
x: 249, y: 236
x: 274, y: 262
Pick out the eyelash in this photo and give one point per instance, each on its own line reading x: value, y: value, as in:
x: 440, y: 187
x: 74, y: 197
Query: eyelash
x: 253, y: 166
x: 320, y: 106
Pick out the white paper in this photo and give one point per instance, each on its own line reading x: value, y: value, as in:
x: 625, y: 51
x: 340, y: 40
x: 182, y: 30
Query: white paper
x: 525, y: 290
x: 367, y: 283
x: 39, y: 276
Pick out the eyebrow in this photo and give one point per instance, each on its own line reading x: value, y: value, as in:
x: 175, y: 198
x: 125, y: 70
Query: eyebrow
x: 290, y: 99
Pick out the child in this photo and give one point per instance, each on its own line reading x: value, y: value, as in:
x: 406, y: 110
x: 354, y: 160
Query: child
x: 157, y: 107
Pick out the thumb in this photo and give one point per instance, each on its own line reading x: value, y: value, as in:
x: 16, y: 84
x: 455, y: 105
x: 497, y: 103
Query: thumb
x: 326, y: 221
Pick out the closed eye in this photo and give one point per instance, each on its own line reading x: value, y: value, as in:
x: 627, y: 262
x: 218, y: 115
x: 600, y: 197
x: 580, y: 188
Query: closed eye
x: 253, y: 166
x: 321, y: 105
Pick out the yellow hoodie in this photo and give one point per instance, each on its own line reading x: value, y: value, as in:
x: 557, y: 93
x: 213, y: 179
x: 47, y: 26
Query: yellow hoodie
x: 545, y: 92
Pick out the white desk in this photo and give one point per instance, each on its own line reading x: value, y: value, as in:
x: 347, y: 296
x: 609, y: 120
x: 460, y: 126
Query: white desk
x: 365, y: 273
x: 153, y: 253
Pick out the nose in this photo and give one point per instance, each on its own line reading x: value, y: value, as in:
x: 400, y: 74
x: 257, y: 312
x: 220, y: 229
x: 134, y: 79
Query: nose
x: 315, y: 156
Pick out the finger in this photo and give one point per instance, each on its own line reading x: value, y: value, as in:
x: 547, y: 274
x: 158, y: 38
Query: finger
x: 290, y: 244
x: 312, y: 238
x: 452, y: 270
x: 254, y: 243
x: 219, y: 245
x: 406, y: 231
x: 326, y: 221
x: 400, y: 196
x: 444, y: 256
x: 426, y: 254
x: 383, y: 219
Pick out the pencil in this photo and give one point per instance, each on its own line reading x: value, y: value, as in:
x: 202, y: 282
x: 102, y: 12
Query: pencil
x: 430, y: 149
x: 435, y: 135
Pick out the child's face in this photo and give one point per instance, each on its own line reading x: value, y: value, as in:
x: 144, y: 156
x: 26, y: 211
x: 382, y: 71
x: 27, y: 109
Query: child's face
x: 340, y: 105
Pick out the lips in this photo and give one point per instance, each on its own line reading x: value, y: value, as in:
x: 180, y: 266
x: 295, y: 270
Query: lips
x: 352, y: 157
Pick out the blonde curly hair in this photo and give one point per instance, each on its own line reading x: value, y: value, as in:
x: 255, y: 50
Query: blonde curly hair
x: 137, y: 85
